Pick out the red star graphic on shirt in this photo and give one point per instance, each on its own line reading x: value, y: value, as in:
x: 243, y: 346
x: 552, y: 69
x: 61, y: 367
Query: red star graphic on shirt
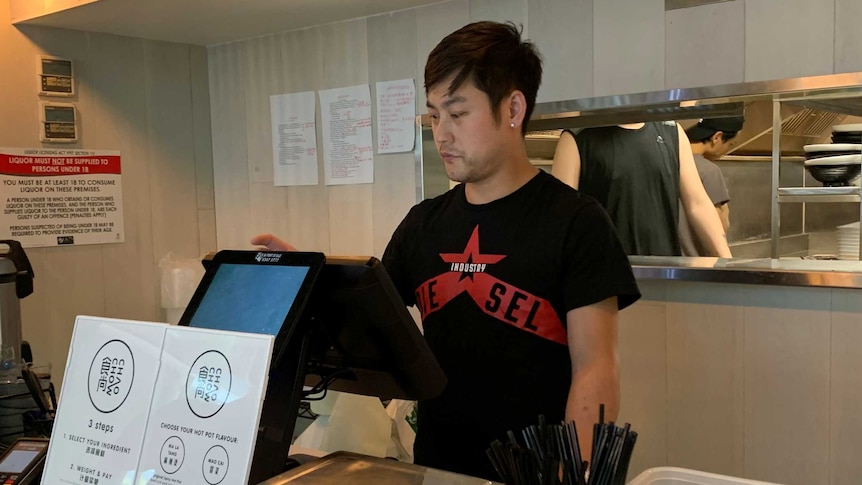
x: 466, y: 273
x: 471, y: 253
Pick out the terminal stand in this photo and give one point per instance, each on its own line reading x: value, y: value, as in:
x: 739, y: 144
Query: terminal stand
x: 280, y: 409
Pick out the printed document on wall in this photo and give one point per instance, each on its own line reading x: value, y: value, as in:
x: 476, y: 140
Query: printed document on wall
x: 347, y: 144
x: 396, y: 116
x: 294, y: 139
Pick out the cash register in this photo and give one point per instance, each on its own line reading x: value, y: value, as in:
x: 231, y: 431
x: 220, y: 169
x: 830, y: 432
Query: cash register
x: 339, y: 323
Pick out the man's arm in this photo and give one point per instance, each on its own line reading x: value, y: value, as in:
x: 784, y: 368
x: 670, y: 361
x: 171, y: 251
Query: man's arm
x: 724, y: 215
x: 716, y: 189
x: 592, y: 334
x: 699, y: 209
x: 567, y: 161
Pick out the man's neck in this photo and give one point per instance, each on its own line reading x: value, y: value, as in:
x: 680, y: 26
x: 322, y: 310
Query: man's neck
x: 698, y: 148
x: 511, y: 177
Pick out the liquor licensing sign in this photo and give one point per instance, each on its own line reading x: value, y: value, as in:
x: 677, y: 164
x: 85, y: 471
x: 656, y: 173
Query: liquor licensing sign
x: 58, y: 197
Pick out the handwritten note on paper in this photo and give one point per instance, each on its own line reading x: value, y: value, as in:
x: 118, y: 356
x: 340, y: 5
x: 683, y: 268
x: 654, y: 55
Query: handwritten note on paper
x: 396, y: 114
x: 347, y: 145
x: 294, y: 140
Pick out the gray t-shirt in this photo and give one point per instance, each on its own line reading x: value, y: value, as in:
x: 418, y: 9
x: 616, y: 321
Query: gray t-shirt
x: 713, y: 182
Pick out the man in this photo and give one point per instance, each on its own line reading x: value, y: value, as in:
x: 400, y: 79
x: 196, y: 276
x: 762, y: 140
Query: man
x: 518, y: 278
x: 639, y: 173
x: 710, y: 140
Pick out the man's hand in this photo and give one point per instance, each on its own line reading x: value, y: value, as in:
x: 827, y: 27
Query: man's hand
x: 272, y: 243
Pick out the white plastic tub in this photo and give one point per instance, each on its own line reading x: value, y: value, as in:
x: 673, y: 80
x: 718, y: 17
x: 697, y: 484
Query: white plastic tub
x: 667, y: 475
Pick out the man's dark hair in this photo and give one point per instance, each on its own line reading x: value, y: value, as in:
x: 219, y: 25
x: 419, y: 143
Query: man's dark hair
x: 725, y: 136
x: 491, y: 55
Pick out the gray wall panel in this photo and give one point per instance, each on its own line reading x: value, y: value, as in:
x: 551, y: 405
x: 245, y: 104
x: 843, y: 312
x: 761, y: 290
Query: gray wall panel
x: 705, y: 45
x: 848, y: 36
x: 629, y: 46
x: 563, y: 32
x: 788, y: 38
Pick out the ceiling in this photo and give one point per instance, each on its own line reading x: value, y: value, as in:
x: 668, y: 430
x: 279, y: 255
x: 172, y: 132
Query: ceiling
x: 210, y: 22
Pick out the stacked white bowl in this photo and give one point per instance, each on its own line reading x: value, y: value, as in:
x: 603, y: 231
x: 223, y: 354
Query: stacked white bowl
x: 848, y: 241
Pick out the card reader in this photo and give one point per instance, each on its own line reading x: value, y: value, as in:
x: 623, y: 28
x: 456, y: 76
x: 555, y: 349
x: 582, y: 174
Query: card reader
x: 23, y: 462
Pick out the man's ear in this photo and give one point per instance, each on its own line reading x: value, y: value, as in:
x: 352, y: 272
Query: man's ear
x: 716, y: 137
x: 517, y: 109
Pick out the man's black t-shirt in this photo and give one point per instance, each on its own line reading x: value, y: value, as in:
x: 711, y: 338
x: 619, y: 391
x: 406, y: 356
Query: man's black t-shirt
x: 493, y: 283
x: 634, y: 174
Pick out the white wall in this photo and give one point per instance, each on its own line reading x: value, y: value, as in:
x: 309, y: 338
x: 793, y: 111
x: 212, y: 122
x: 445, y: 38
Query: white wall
x: 590, y: 48
x: 150, y: 101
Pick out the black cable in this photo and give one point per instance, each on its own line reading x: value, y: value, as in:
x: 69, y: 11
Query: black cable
x: 322, y: 386
x: 319, y: 387
x: 316, y: 398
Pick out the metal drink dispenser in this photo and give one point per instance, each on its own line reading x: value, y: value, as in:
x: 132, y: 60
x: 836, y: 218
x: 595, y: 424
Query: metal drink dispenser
x: 16, y: 282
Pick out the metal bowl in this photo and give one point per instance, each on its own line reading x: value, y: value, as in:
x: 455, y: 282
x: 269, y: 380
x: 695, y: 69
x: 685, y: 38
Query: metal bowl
x: 835, y: 175
x: 847, y: 138
x: 816, y: 155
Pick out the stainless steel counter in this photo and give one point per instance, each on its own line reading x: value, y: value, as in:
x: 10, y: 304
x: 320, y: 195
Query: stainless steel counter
x: 343, y: 468
x: 776, y: 272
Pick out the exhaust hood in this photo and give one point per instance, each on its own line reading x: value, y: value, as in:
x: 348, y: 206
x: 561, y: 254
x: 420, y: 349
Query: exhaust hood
x: 800, y: 125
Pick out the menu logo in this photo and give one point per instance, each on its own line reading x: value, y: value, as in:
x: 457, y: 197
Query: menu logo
x: 267, y: 257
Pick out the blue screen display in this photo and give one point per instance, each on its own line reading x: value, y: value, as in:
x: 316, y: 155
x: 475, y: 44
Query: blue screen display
x: 17, y: 460
x: 249, y: 298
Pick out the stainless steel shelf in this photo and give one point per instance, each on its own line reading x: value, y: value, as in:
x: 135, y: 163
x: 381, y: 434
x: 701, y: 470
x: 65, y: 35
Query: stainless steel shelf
x: 818, y: 194
x: 817, y: 198
x: 786, y: 195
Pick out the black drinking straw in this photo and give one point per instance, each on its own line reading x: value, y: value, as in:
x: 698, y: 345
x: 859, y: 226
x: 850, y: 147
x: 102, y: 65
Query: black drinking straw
x: 550, y: 454
x: 495, y: 463
x: 627, y: 454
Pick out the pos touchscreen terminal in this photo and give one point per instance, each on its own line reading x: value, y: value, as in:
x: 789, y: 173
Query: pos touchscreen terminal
x: 339, y: 323
x: 255, y: 292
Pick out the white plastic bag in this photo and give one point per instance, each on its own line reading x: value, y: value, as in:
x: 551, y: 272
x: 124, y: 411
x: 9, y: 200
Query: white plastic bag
x: 179, y: 280
x: 358, y: 424
x: 403, y: 416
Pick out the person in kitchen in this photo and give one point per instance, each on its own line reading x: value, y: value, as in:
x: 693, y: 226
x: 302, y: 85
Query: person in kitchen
x: 710, y: 140
x: 518, y: 277
x: 639, y: 172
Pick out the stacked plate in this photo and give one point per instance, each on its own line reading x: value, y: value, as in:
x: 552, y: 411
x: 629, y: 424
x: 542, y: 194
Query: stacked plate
x: 833, y: 151
x: 847, y: 133
x: 848, y: 241
x: 838, y: 163
x: 836, y: 168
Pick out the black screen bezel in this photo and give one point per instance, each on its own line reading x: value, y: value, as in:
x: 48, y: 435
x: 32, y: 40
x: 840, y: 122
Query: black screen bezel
x: 313, y: 261
x: 393, y: 359
x: 22, y: 442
